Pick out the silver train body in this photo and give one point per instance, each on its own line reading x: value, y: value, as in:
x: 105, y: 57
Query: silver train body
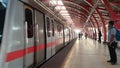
x: 30, y: 33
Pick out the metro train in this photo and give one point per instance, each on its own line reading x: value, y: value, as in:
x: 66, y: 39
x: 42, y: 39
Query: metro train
x: 30, y: 33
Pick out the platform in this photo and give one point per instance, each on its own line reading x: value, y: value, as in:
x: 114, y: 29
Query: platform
x: 83, y: 53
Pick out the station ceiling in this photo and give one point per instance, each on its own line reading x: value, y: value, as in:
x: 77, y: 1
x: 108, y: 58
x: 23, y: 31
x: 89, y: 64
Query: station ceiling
x: 89, y: 13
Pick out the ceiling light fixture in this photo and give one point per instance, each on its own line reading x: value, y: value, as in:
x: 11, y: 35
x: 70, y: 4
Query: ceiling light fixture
x: 59, y: 6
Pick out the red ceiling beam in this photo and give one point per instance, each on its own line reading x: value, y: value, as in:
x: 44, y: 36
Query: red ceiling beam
x: 44, y: 0
x: 49, y: 0
x: 103, y: 22
x: 83, y: 7
x: 85, y: 16
x: 117, y: 3
x: 92, y: 23
x: 112, y: 14
x: 72, y: 3
x: 96, y: 22
x: 81, y: 17
x: 69, y: 9
x: 85, y: 10
x: 71, y: 12
x: 68, y: 0
x: 101, y: 8
x: 89, y: 2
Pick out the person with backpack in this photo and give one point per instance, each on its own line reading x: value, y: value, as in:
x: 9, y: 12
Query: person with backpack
x: 112, y: 43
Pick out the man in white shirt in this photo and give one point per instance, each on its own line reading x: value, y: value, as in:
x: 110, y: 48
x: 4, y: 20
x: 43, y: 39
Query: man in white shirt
x: 112, y: 43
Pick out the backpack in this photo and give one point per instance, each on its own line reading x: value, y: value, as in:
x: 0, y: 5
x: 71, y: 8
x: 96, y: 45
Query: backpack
x: 117, y: 34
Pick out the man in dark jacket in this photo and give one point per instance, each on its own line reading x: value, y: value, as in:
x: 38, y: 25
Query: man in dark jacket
x: 112, y: 43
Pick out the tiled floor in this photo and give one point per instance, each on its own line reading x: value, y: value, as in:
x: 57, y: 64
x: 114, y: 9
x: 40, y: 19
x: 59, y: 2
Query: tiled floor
x: 84, y: 53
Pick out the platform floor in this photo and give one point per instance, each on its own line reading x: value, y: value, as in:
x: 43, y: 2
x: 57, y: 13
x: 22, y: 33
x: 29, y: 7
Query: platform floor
x: 83, y: 53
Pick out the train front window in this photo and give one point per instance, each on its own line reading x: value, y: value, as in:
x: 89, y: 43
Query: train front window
x: 3, y: 6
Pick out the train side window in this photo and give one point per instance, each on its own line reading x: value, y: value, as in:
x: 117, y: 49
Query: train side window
x: 48, y: 27
x: 28, y: 19
x: 3, y: 6
x: 53, y: 30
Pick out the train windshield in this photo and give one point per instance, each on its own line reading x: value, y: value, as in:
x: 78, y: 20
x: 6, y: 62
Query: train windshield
x: 3, y: 6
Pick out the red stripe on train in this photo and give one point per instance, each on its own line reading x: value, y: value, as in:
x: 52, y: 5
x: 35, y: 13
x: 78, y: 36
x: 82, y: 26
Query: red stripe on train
x: 14, y: 55
x: 20, y: 53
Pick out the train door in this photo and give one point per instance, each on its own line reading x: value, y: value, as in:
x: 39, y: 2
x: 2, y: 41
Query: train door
x: 39, y: 38
x: 63, y: 35
x: 69, y: 35
x: 56, y: 35
x: 59, y: 36
x: 66, y: 30
x: 53, y: 37
x: 48, y: 37
x: 29, y: 38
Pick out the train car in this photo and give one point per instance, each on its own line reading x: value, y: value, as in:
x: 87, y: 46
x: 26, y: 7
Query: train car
x: 30, y: 33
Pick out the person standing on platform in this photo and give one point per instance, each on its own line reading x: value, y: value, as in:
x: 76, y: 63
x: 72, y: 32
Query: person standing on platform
x: 86, y: 35
x: 79, y: 35
x: 112, y: 43
x: 99, y: 34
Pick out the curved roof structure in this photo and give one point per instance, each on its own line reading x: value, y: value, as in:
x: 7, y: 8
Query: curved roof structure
x: 88, y: 13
